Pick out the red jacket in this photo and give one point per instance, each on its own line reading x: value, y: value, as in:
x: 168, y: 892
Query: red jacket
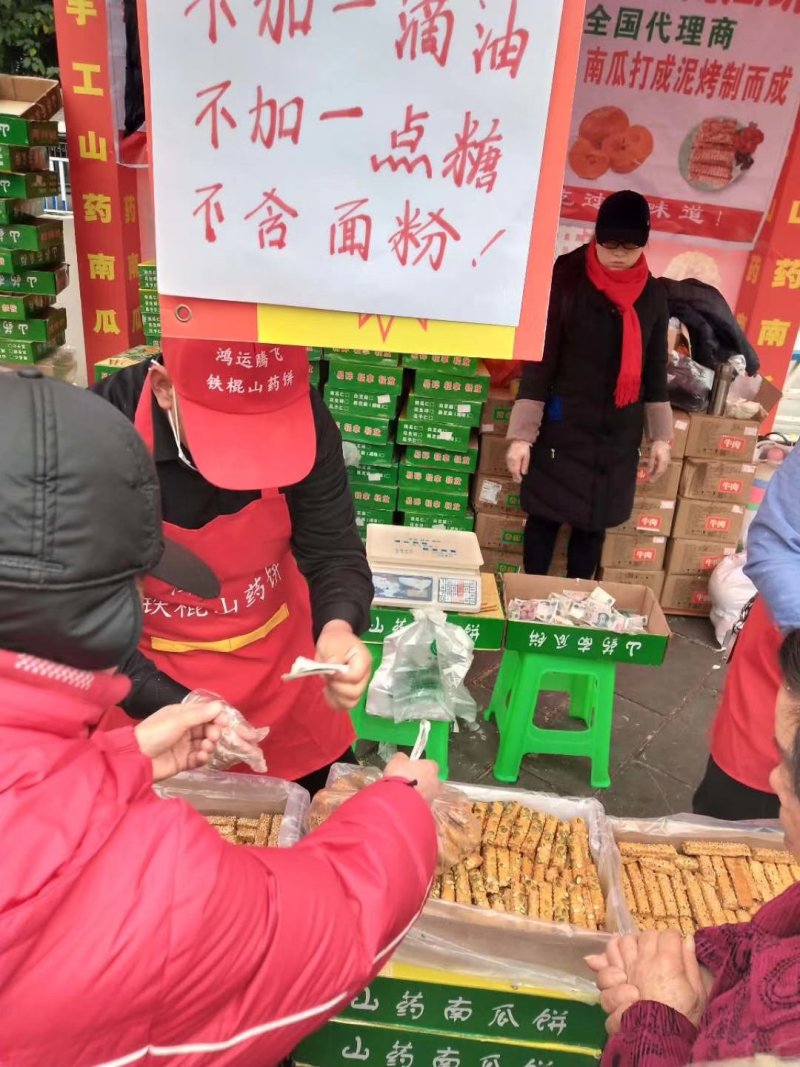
x: 754, y: 1005
x: 131, y: 933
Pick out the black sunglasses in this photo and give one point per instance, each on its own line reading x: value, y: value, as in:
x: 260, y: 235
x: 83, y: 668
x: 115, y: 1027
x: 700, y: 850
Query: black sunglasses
x: 612, y: 246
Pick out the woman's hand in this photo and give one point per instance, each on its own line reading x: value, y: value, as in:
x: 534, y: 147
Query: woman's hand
x: 518, y: 458
x: 660, y: 458
x: 424, y: 772
x: 666, y: 970
x: 611, y: 968
x: 338, y: 644
x: 180, y: 737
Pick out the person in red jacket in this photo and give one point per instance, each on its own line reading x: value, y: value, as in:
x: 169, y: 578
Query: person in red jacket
x: 732, y: 991
x: 130, y: 932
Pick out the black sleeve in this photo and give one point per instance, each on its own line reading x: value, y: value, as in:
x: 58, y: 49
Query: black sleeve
x: 151, y: 688
x: 325, y: 539
x: 124, y: 388
x: 654, y: 368
x: 537, y: 377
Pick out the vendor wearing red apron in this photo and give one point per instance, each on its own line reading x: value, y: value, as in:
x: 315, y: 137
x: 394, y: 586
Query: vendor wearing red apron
x: 220, y: 419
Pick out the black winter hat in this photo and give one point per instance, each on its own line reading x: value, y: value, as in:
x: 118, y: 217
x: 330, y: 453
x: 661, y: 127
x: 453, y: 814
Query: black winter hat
x: 623, y: 217
x: 80, y: 519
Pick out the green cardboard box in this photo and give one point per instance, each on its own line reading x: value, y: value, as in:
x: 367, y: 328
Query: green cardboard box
x: 428, y: 501
x: 439, y: 520
x: 13, y: 260
x: 148, y: 301
x: 20, y: 210
x: 46, y: 326
x: 350, y: 402
x: 376, y: 455
x: 33, y: 235
x: 367, y: 516
x: 23, y: 186
x: 446, y: 385
x: 362, y: 357
x: 153, y: 339
x: 464, y: 366
x: 26, y: 351
x: 18, y: 157
x: 447, y: 458
x: 106, y: 367
x: 454, y: 483
x: 374, y: 476
x: 315, y: 354
x: 368, y: 428
x: 377, y: 497
x: 147, y: 275
x: 455, y: 437
x: 22, y: 306
x: 17, y: 131
x: 457, y: 412
x: 365, y: 378
x: 313, y: 375
x: 45, y: 282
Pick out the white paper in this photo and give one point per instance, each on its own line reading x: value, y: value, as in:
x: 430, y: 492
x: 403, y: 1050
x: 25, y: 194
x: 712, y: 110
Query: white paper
x: 490, y: 492
x: 348, y: 58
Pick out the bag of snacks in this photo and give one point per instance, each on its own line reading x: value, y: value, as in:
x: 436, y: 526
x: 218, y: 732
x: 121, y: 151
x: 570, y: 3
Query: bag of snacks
x: 239, y: 741
x: 458, y: 828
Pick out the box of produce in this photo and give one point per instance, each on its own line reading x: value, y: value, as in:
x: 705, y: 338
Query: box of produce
x: 457, y: 411
x: 687, y: 874
x: 443, y: 458
x: 371, y: 429
x: 26, y: 351
x: 20, y: 158
x: 351, y: 402
x: 20, y: 186
x: 20, y: 210
x: 454, y: 365
x: 43, y: 282
x: 13, y: 260
x: 570, y: 617
x: 19, y: 131
x: 493, y: 456
x: 23, y: 306
x: 696, y: 557
x: 455, y: 437
x: 442, y: 479
x: 244, y: 809
x: 444, y: 385
x: 148, y: 277
x: 44, y: 326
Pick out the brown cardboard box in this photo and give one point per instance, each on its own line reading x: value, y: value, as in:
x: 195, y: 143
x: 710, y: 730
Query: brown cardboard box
x: 497, y: 411
x: 492, y: 494
x: 686, y: 594
x: 713, y: 479
x: 710, y: 521
x: 695, y: 557
x: 712, y: 437
x: 649, y: 579
x: 492, y: 459
x: 496, y: 561
x: 500, y: 532
x: 634, y: 552
x: 667, y: 485
x: 680, y: 432
x: 34, y: 99
x: 649, y: 516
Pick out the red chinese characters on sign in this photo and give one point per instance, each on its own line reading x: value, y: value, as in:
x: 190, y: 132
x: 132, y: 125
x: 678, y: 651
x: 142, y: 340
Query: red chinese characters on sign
x: 351, y: 234
x: 272, y: 121
x: 475, y: 159
x: 501, y: 51
x: 272, y: 228
x: 215, y: 8
x: 211, y: 209
x: 291, y: 16
x: 215, y: 109
x: 416, y: 238
x: 406, y: 139
x: 426, y: 29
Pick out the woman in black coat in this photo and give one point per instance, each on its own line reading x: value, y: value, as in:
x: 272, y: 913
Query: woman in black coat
x: 578, y: 422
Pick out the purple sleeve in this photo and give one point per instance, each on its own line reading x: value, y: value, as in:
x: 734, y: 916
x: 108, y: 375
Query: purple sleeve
x: 651, y: 1035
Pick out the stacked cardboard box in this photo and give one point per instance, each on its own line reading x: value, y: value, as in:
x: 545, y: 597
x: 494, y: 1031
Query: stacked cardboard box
x: 715, y: 487
x: 32, y: 269
x: 148, y: 301
x: 363, y: 391
x: 129, y: 358
x: 437, y: 429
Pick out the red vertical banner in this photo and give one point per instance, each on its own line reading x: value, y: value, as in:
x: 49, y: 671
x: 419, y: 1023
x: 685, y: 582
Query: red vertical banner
x: 769, y: 302
x: 103, y: 193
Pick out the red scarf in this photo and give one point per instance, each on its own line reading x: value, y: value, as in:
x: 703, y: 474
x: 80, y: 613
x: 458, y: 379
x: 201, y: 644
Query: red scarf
x: 623, y: 288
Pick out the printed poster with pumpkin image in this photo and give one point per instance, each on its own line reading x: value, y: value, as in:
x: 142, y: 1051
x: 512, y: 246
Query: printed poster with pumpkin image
x: 692, y: 105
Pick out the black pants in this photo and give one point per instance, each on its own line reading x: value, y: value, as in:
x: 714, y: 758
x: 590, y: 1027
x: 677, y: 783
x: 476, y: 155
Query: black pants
x: 316, y: 780
x: 583, y: 552
x: 722, y: 797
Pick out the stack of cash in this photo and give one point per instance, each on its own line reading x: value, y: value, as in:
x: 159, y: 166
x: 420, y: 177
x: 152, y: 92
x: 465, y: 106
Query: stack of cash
x: 594, y: 611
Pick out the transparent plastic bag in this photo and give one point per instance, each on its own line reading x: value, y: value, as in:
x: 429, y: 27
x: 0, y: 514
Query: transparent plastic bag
x: 730, y: 590
x: 458, y: 829
x: 239, y: 741
x: 423, y: 670
x: 689, y: 384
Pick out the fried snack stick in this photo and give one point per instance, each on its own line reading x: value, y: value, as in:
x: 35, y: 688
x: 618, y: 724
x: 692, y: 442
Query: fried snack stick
x: 463, y: 893
x: 221, y: 820
x: 473, y: 861
x: 658, y: 866
x: 578, y: 845
x: 478, y: 889
x: 527, y: 871
x: 506, y: 825
x: 715, y: 848
x: 657, y: 907
x: 262, y: 830
x: 743, y: 915
x: 519, y: 900
x: 436, y: 888
x: 521, y: 828
x: 712, y: 903
x: 246, y: 835
x: 774, y: 879
x: 577, y: 907
x: 742, y: 882
x: 531, y: 843
x: 496, y: 902
x: 667, y: 895
x: 763, y: 887
x: 490, y: 878
x: 558, y: 857
x: 598, y: 900
x: 492, y: 824
x: 785, y: 875
x: 794, y: 869
x: 546, y: 902
x: 707, y: 872
x: 687, y: 926
x: 560, y: 903
x: 274, y: 831
x: 730, y: 916
x: 700, y: 912
x: 637, y: 849
x: 681, y: 899
x: 639, y: 891
x: 773, y: 855
x: 627, y: 891
x: 533, y: 902
x: 480, y: 809
x: 588, y: 904
x: 727, y: 894
x: 515, y: 861
x: 687, y: 863
x: 545, y: 849
x: 503, y: 867
x: 449, y: 886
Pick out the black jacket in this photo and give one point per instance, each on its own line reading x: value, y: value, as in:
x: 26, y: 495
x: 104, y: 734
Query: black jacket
x: 583, y: 465
x: 713, y: 330
x: 325, y: 539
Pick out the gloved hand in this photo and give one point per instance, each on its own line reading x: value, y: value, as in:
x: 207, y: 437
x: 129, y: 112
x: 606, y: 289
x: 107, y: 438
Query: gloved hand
x: 518, y: 458
x: 660, y: 457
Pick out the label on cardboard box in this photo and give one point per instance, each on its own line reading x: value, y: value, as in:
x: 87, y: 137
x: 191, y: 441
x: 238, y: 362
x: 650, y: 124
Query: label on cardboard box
x: 365, y: 378
x: 441, y: 479
x: 649, y: 516
x: 496, y: 494
x: 498, y: 562
x: 365, y: 516
x: 383, y: 497
x: 13, y: 260
x: 148, y: 277
x: 713, y: 520
x: 500, y: 531
x: 350, y: 402
x: 439, y: 520
x: 416, y: 432
x: 365, y: 475
x: 444, y: 385
x: 421, y: 499
x: 461, y: 365
x: 634, y: 551
x: 425, y: 456
x: 21, y: 157
x: 714, y: 437
x: 444, y: 411
x: 14, y: 130
x: 497, y: 411
x: 26, y: 351
x: 372, y: 454
x: 363, y: 428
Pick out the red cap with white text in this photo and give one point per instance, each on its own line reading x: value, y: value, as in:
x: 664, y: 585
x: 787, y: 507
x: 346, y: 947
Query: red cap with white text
x: 245, y: 410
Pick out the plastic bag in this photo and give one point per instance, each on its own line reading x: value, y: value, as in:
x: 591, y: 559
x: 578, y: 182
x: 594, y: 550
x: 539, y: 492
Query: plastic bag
x: 689, y: 384
x: 423, y: 670
x: 459, y: 831
x: 239, y: 740
x: 730, y: 590
x: 350, y: 454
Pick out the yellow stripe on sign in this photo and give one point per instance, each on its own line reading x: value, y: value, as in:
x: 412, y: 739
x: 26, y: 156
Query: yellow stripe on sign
x: 228, y: 644
x: 411, y: 973
x: 341, y: 329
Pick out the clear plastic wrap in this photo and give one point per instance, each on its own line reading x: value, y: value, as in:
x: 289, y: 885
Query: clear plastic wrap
x: 689, y: 384
x: 218, y: 793
x: 239, y: 740
x: 458, y: 829
x: 674, y: 829
x: 422, y: 672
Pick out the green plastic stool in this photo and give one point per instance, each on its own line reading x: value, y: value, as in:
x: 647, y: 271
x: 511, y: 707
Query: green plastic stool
x: 522, y: 677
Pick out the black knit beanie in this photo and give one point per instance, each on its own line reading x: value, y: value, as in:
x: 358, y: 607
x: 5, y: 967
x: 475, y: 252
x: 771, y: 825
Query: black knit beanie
x: 623, y: 217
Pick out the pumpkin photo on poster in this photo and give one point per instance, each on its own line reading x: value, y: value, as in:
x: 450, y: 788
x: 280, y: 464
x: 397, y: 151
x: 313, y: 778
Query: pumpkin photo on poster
x: 607, y: 140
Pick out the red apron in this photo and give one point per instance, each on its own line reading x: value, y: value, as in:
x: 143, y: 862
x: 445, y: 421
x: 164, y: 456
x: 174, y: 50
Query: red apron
x: 240, y: 644
x: 742, y: 734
